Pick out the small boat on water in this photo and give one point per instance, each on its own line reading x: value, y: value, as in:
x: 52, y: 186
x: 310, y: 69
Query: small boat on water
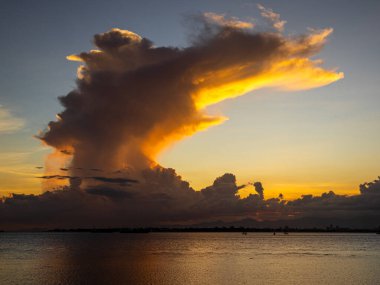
x: 244, y: 233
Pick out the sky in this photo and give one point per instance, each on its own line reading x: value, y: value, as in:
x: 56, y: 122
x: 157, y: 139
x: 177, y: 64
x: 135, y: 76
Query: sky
x: 294, y: 142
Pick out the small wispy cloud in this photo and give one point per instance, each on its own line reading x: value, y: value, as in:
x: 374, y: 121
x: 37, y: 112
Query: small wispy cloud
x: 8, y: 122
x: 273, y: 17
x: 222, y: 20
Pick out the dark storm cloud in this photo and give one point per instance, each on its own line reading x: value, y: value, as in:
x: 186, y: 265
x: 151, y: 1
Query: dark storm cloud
x: 64, y: 151
x: 163, y: 198
x: 116, y: 180
x: 109, y: 192
x: 121, y: 181
x: 57, y: 177
x: 259, y: 189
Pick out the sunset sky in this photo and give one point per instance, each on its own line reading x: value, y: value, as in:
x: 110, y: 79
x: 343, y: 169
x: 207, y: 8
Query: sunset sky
x: 294, y: 141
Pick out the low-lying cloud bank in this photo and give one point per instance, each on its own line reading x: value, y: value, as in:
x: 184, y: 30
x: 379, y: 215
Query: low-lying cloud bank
x: 162, y: 198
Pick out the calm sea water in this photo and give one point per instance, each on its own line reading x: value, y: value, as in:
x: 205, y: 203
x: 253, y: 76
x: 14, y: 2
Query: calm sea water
x: 189, y: 258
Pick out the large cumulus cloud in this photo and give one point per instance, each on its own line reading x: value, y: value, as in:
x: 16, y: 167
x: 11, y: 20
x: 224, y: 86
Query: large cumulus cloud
x: 133, y: 98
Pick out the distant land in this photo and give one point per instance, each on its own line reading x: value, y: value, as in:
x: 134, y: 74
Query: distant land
x: 328, y: 229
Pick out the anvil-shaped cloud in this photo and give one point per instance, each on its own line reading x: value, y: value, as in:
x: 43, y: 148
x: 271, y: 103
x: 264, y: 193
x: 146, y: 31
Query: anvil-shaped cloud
x: 133, y: 99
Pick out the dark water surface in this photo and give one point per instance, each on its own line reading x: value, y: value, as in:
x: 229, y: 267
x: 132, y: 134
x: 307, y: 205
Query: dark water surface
x: 189, y: 258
